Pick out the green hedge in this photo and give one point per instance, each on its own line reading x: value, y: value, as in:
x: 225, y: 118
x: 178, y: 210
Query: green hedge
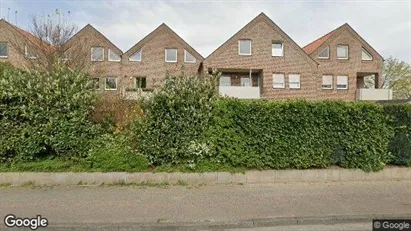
x: 45, y: 114
x: 299, y: 134
x: 400, y: 145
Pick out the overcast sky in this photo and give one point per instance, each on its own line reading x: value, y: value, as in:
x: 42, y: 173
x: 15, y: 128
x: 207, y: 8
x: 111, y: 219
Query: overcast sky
x: 205, y: 25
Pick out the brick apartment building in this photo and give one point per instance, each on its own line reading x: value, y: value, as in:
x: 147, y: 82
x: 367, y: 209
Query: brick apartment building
x: 259, y: 61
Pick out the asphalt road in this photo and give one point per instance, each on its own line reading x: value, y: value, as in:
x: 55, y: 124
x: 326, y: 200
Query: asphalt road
x: 105, y: 205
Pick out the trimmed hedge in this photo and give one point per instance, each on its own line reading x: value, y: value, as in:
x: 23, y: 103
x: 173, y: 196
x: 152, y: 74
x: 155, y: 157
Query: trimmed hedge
x: 299, y: 134
x: 400, y: 145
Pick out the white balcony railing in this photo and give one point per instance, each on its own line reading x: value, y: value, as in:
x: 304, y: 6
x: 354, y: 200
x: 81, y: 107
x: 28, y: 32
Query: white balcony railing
x: 374, y: 94
x: 240, y: 92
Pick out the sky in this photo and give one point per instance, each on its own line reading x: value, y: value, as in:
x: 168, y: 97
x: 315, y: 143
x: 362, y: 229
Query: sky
x: 205, y: 25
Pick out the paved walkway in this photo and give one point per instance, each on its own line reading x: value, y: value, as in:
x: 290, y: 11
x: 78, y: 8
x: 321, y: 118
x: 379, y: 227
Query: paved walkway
x: 114, y: 204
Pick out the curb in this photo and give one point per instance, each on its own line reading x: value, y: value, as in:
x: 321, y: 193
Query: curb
x: 210, y: 178
x: 235, y: 224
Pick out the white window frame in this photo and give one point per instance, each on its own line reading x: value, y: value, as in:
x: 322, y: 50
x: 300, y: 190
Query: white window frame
x: 136, y: 60
x: 239, y: 50
x: 165, y: 55
x: 111, y: 60
x: 291, y: 82
x: 105, y: 83
x: 242, y: 80
x: 328, y: 53
x: 322, y: 82
x: 7, y: 51
x: 339, y: 77
x: 342, y: 45
x: 91, y: 56
x: 363, y: 50
x: 26, y: 53
x: 274, y: 80
x: 185, y: 57
x: 135, y: 82
x: 282, y: 49
x: 224, y: 77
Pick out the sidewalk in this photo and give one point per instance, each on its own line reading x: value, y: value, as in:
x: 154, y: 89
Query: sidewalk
x: 238, y: 206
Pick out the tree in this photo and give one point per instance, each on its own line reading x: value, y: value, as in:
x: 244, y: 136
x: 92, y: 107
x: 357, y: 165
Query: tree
x: 396, y: 76
x: 49, y: 43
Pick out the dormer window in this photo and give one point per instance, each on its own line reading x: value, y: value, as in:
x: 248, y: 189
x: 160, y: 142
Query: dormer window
x: 244, y: 47
x: 324, y: 54
x: 277, y: 49
x: 136, y: 57
x: 342, y: 52
x: 113, y: 57
x: 365, y: 55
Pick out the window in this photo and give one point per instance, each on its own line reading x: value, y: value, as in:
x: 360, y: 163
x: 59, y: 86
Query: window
x: 342, y: 82
x: 96, y: 82
x: 277, y: 49
x: 294, y: 81
x: 29, y: 53
x: 4, y: 52
x: 225, y: 81
x: 136, y: 57
x: 111, y: 83
x: 97, y: 54
x: 245, y: 81
x: 189, y: 58
x: 324, y: 54
x: 342, y: 52
x: 365, y: 55
x: 244, y: 47
x: 327, y: 82
x: 112, y: 56
x: 171, y: 55
x: 278, y: 81
x: 140, y: 82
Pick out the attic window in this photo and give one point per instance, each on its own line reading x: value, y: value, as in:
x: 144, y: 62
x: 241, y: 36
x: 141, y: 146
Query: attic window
x: 171, y: 55
x: 112, y: 56
x: 29, y: 53
x: 324, y: 54
x: 4, y: 52
x: 136, y: 57
x: 244, y: 47
x: 365, y: 55
x: 342, y: 52
x: 277, y: 49
x: 189, y: 58
x: 97, y: 53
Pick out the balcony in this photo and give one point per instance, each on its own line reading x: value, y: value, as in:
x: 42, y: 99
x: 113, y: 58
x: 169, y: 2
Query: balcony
x: 240, y: 92
x: 365, y: 94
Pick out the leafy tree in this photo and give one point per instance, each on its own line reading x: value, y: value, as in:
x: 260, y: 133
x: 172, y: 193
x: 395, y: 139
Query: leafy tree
x: 397, y: 76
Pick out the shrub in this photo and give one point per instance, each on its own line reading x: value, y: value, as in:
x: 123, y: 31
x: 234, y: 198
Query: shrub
x: 299, y: 134
x: 45, y: 114
x: 400, y: 145
x: 175, y: 118
x: 113, y: 153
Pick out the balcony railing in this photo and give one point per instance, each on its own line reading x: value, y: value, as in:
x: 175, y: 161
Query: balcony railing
x: 365, y: 94
x: 240, y: 92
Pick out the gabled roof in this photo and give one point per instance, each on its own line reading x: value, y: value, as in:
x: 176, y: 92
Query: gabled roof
x: 313, y: 46
x: 30, y: 37
x: 265, y: 18
x: 98, y: 33
x: 164, y: 27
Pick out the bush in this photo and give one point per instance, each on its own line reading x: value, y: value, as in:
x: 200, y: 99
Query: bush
x: 176, y: 116
x: 113, y: 153
x: 299, y: 134
x: 400, y: 145
x: 45, y: 114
